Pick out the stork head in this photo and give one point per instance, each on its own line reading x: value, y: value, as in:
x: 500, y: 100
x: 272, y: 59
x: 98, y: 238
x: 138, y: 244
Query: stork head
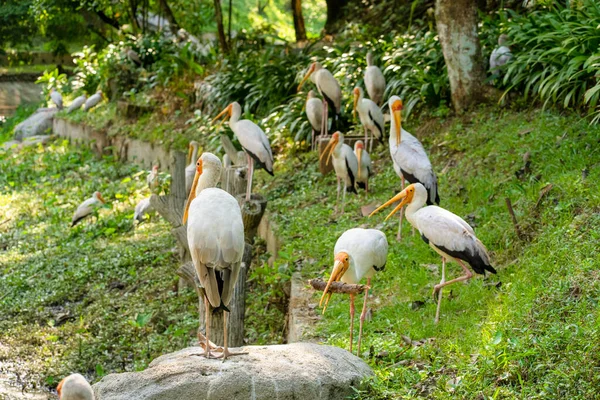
x: 208, y: 166
x: 155, y: 169
x: 395, y: 104
x: 340, y: 266
x: 313, y: 67
x: 359, y: 147
x: 311, y: 94
x: 357, y: 93
x: 335, y: 139
x: 99, y: 197
x: 74, y: 386
x: 407, y: 196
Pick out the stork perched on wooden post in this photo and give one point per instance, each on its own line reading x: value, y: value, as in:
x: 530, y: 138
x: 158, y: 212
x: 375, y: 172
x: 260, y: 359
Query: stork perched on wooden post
x: 330, y: 89
x: 358, y: 253
x: 446, y: 233
x: 409, y: 158
x: 370, y: 116
x: 345, y: 165
x: 253, y: 140
x: 374, y: 81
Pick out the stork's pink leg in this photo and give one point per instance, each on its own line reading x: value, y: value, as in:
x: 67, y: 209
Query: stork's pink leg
x: 344, y: 197
x: 363, y: 314
x: 366, y: 137
x: 337, y: 199
x: 351, y: 320
x: 324, y: 120
x: 249, y: 177
x: 226, y: 353
x: 468, y: 275
x: 439, y: 304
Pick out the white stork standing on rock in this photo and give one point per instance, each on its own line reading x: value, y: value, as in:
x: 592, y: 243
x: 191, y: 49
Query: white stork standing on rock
x: 56, y: 98
x: 253, y: 140
x: 364, y: 165
x: 215, y: 233
x: 314, y: 113
x: 447, y: 233
x: 359, y: 253
x: 74, y: 387
x: 374, y: 81
x: 190, y: 170
x: 87, y: 208
x: 330, y: 89
x: 77, y: 103
x: 370, y: 116
x: 409, y: 157
x: 345, y: 165
x: 93, y: 101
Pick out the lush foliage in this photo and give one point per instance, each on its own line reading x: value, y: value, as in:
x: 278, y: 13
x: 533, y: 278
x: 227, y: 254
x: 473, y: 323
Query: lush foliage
x: 536, y: 336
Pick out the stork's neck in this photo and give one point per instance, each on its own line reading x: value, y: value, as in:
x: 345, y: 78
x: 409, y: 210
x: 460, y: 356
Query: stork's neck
x: 359, y: 104
x: 194, y: 154
x: 338, y: 148
x: 236, y: 113
x: 415, y: 205
x: 394, y: 133
x: 208, y: 179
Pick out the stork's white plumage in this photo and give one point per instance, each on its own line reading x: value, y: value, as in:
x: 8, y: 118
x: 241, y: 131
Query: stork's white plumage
x: 374, y: 81
x: 75, y: 387
x: 153, y: 179
x: 447, y: 233
x: 93, y: 101
x: 314, y: 113
x: 142, y: 208
x: 345, y: 165
x: 56, y: 98
x: 409, y: 157
x: 370, y: 116
x: 77, y: 103
x: 364, y: 165
x: 252, y: 138
x: 215, y: 233
x: 358, y: 253
x: 500, y: 55
x: 87, y: 208
x: 190, y: 170
x: 329, y: 88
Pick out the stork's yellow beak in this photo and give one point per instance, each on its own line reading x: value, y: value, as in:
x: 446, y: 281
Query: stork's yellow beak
x: 406, y: 196
x: 397, y: 111
x: 101, y: 199
x: 359, y: 152
x: 193, y: 190
x: 308, y: 74
x: 226, y: 112
x: 356, y: 96
x: 329, y: 149
x: 339, y: 269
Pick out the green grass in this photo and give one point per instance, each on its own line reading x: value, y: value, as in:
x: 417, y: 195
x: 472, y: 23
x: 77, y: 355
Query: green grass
x: 537, y: 335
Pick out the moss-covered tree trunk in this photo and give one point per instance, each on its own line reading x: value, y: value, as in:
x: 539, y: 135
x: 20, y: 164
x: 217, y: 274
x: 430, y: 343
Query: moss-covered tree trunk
x: 220, y: 28
x: 457, y: 29
x: 298, y: 20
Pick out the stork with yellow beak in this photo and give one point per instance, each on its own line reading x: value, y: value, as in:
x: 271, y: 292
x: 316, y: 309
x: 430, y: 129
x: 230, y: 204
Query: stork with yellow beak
x: 253, y: 140
x: 370, y: 116
x: 87, y: 208
x: 409, y: 157
x: 446, y: 233
x: 190, y: 170
x: 330, y: 89
x: 215, y: 233
x: 358, y: 254
x: 345, y: 165
x: 364, y: 165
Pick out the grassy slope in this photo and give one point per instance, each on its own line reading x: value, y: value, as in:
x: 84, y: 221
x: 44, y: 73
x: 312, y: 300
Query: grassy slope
x: 538, y: 335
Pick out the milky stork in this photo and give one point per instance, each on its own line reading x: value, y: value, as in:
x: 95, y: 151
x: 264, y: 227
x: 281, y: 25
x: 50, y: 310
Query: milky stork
x: 409, y: 157
x: 364, y: 165
x: 74, y: 387
x: 142, y: 208
x: 345, y: 165
x: 215, y: 234
x: 190, y: 170
x: 358, y: 254
x: 314, y: 113
x: 153, y: 179
x: 500, y: 55
x: 56, y: 98
x: 448, y: 234
x: 330, y: 89
x: 370, y: 116
x: 87, y: 208
x: 93, y: 101
x: 77, y: 103
x: 253, y: 140
x: 374, y: 81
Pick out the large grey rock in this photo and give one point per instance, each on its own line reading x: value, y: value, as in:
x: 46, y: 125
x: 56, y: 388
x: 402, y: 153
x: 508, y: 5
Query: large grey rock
x: 293, y: 371
x: 37, y: 124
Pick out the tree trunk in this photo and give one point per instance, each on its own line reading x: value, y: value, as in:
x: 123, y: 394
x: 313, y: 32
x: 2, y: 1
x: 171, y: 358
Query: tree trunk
x: 334, y: 14
x: 457, y: 30
x: 220, y: 28
x: 298, y: 20
x: 169, y: 15
x: 229, y: 21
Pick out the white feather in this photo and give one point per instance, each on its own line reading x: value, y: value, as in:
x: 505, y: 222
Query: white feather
x: 92, y: 101
x: 251, y: 137
x: 77, y: 103
x: 366, y: 248
x: 76, y: 387
x: 142, y: 208
x: 314, y: 112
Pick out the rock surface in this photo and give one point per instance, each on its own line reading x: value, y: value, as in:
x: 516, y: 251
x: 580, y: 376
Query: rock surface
x: 293, y: 371
x: 37, y: 124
